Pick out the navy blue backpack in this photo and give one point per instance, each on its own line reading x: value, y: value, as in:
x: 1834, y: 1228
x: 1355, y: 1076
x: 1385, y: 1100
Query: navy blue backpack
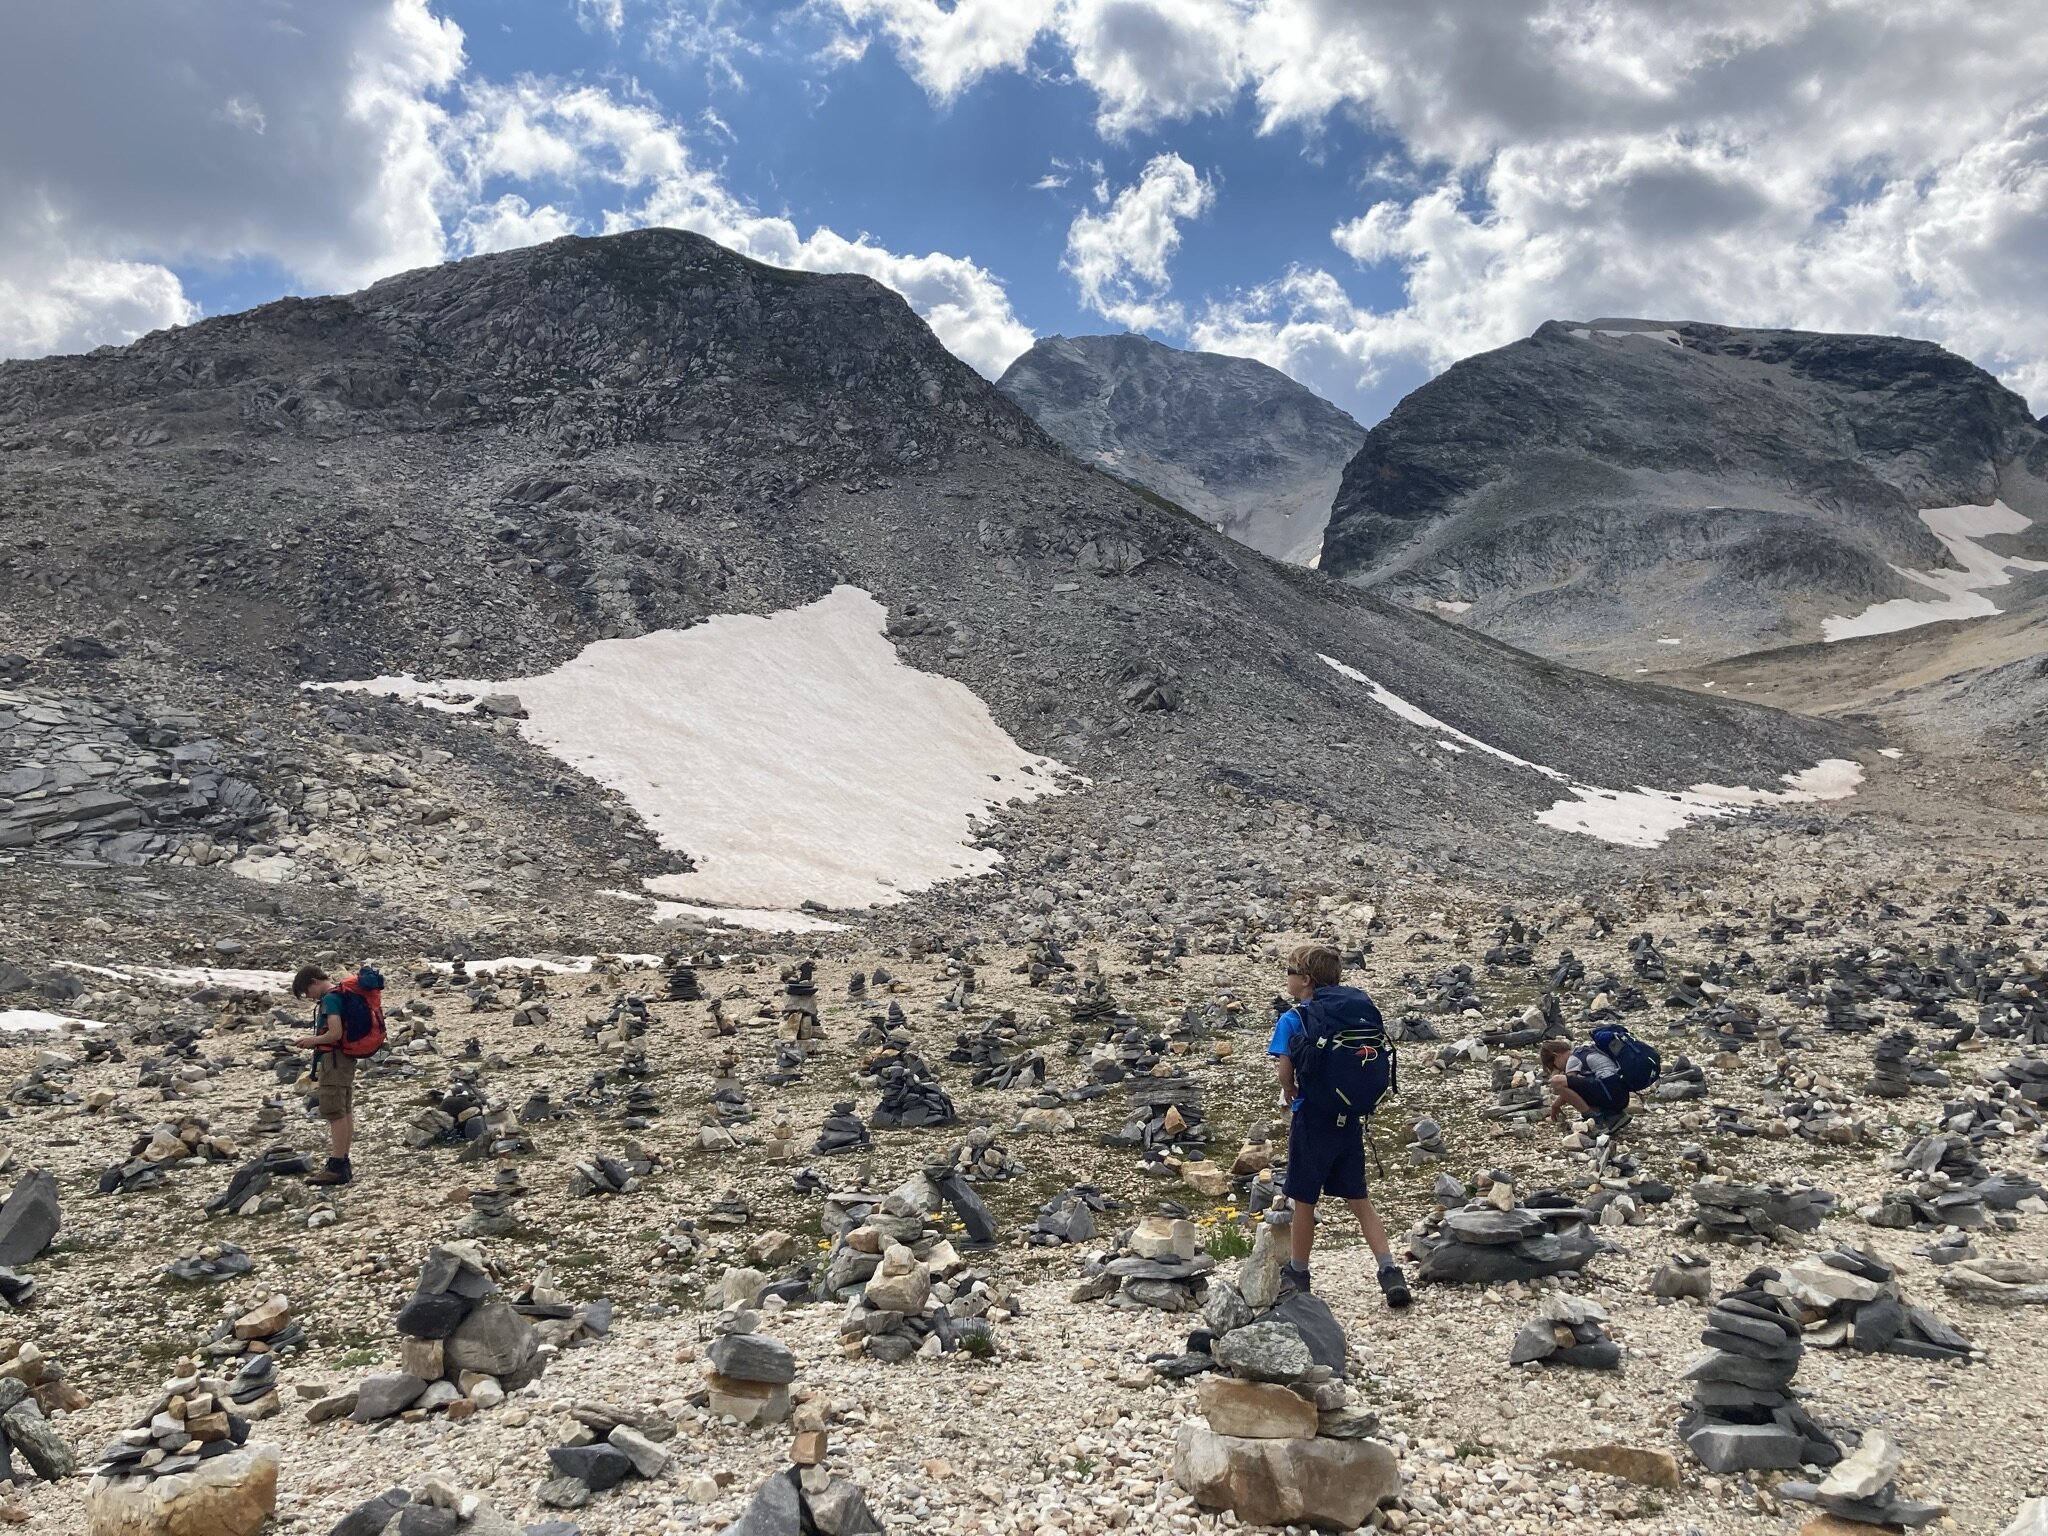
x: 1345, y: 1064
x: 1640, y: 1064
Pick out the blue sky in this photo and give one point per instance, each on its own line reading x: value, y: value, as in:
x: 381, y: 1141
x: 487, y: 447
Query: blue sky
x: 1356, y: 194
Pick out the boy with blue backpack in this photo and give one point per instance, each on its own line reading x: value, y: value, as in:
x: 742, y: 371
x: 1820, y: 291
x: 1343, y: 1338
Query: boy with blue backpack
x: 348, y: 1024
x: 1335, y: 1063
x: 1596, y: 1079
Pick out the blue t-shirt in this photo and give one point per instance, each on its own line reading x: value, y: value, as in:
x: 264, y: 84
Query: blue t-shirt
x: 1289, y: 1035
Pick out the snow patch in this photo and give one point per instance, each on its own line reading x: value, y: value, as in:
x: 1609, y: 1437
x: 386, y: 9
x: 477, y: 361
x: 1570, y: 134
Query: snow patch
x: 33, y: 1021
x: 1449, y: 605
x: 578, y: 966
x: 1640, y: 817
x: 190, y: 976
x: 793, y: 757
x: 1959, y: 528
x: 1891, y: 752
x: 1669, y: 640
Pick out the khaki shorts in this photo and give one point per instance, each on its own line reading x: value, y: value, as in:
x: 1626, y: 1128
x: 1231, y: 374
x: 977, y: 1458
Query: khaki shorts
x: 337, y: 1085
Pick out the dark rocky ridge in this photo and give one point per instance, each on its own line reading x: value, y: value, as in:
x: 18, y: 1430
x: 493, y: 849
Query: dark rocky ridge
x: 1237, y: 443
x: 477, y: 469
x: 1593, y: 487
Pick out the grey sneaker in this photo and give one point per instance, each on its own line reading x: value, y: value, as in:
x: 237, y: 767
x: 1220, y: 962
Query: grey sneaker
x: 1293, y: 1278
x: 1394, y: 1286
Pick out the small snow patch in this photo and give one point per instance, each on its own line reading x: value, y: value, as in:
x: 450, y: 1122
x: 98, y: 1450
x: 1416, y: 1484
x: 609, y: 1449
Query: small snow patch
x: 33, y: 1021
x: 1669, y: 640
x: 576, y: 966
x: 1640, y: 817
x: 1891, y: 752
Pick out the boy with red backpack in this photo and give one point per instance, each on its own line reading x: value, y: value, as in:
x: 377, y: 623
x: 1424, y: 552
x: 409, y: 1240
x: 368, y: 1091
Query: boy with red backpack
x: 348, y: 1024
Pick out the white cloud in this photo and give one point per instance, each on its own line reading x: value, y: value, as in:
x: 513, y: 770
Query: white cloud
x: 1119, y: 258
x: 344, y: 140
x: 583, y: 135
x: 508, y: 223
x: 1849, y: 164
x: 1050, y: 182
x: 312, y: 140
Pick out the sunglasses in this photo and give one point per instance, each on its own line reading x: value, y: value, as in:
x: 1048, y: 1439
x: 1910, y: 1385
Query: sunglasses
x: 1302, y: 974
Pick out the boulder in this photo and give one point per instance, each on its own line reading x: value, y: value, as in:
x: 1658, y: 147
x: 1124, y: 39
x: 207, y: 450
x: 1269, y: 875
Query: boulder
x: 382, y: 1395
x: 495, y: 1341
x: 1255, y: 1410
x: 2031, y: 1520
x: 229, y: 1495
x: 1329, y: 1484
x: 1265, y: 1352
x: 29, y: 1220
x: 1311, y: 1317
x: 1745, y: 1447
x: 753, y: 1357
x: 1866, y: 1471
x: 1632, y: 1464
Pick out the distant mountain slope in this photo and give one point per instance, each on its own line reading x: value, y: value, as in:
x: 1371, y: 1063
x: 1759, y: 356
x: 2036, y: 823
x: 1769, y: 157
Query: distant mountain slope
x: 1237, y: 443
x: 1599, y: 488
x: 479, y: 469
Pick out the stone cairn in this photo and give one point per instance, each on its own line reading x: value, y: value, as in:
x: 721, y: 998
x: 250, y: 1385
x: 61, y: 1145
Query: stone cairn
x: 25, y: 1362
x: 1069, y: 1216
x: 1754, y: 1213
x: 209, y: 1264
x: 248, y: 1192
x: 1159, y: 1264
x: 25, y: 1427
x: 1425, y: 1143
x: 749, y: 1373
x: 1493, y: 1239
x: 490, y: 1207
x: 184, y: 1465
x: 265, y: 1330
x: 1850, y: 1296
x: 1279, y: 1442
x: 1567, y: 1330
x: 163, y: 1147
x: 1745, y: 1417
x: 909, y: 1289
x: 560, y: 1322
x: 1864, y: 1488
x: 1683, y: 1277
x: 807, y: 1498
x: 981, y: 1159
x: 597, y: 1461
x: 436, y: 1506
x: 842, y: 1132
x: 800, y: 1004
x: 911, y: 1097
x: 621, y: 1175
x: 682, y: 984
x: 458, y: 1344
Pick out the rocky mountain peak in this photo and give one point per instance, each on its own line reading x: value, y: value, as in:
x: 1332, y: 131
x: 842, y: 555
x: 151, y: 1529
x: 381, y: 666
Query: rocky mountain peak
x: 1239, y: 444
x: 649, y: 335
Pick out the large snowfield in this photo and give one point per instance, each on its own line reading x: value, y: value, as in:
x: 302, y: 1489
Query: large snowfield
x: 795, y: 757
x: 1962, y: 591
x: 1635, y: 818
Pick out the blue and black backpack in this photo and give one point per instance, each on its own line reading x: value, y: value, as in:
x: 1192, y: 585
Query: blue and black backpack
x: 1345, y: 1064
x: 1640, y: 1064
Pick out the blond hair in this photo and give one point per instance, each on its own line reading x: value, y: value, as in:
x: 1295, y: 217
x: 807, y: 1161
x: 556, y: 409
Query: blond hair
x: 1322, y: 965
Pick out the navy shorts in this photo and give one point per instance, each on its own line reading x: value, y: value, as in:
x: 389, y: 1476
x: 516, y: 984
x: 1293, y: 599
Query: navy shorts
x: 1603, y: 1095
x: 1324, y: 1159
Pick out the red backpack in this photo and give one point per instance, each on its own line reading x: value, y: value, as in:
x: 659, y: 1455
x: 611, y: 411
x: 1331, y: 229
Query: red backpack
x: 362, y: 1013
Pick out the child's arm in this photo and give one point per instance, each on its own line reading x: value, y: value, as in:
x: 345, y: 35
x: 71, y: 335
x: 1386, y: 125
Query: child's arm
x: 326, y: 1026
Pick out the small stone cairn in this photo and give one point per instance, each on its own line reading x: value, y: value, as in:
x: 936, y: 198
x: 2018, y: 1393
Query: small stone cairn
x: 1494, y: 1239
x: 1850, y: 1297
x: 1754, y: 1213
x: 1567, y: 1330
x: 1864, y: 1488
x: 436, y: 1506
x: 607, y: 1450
x: 1069, y: 1216
x: 621, y: 1175
x: 209, y: 1264
x: 1745, y: 1417
x: 842, y: 1132
x: 459, y: 1344
x: 1279, y: 1441
x: 163, y: 1147
x: 1159, y: 1264
x: 749, y: 1373
x: 808, y: 1498
x: 185, y: 1465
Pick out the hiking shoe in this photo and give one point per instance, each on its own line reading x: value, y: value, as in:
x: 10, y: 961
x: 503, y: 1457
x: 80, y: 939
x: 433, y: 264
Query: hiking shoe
x: 334, y: 1173
x: 1394, y: 1286
x: 1609, y: 1125
x: 1293, y: 1278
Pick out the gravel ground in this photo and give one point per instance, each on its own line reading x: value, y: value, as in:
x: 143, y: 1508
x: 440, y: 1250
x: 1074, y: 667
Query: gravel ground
x: 1066, y: 1429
